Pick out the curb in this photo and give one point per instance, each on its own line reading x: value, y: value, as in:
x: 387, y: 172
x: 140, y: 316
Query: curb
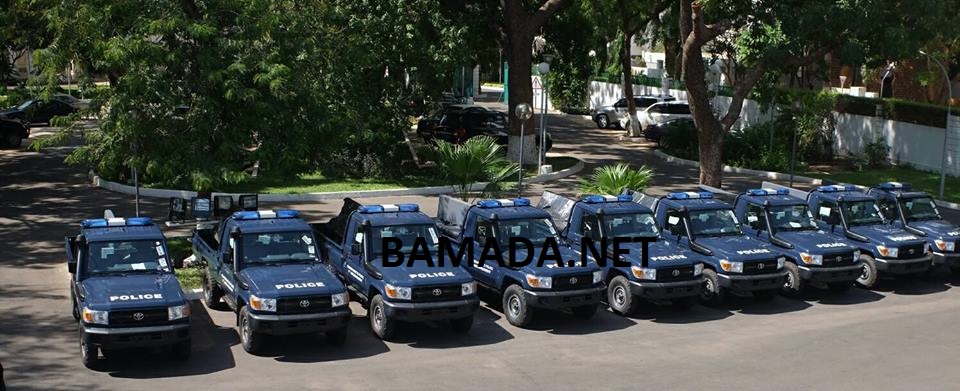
x: 773, y: 175
x: 325, y: 196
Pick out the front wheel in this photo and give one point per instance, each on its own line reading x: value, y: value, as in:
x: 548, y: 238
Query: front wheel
x: 603, y: 121
x: 619, y: 297
x: 382, y: 325
x: 791, y: 287
x: 88, y: 352
x: 12, y: 140
x: 712, y: 294
x: 211, y: 293
x: 461, y: 325
x: 249, y: 338
x: 868, y: 272
x: 515, y: 307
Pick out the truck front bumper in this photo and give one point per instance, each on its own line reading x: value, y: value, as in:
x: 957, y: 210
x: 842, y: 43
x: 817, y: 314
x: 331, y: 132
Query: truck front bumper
x: 300, y: 323
x: 666, y: 290
x: 556, y: 300
x: 949, y: 259
x: 758, y: 282
x: 904, y: 266
x: 435, y: 310
x: 136, y: 337
x: 831, y: 274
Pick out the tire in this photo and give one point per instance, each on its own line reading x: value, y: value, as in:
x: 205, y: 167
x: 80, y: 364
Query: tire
x: 462, y: 325
x: 182, y: 350
x: 75, y: 309
x: 515, y: 307
x: 619, y: 297
x: 250, y: 339
x: 686, y: 302
x: 765, y: 295
x: 211, y: 293
x: 11, y: 140
x: 839, y: 286
x: 603, y: 121
x: 585, y: 312
x: 337, y: 337
x: 88, y: 352
x: 868, y: 274
x: 712, y: 294
x: 793, y: 285
x: 382, y: 325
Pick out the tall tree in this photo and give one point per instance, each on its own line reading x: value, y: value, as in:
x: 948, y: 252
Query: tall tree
x: 520, y: 24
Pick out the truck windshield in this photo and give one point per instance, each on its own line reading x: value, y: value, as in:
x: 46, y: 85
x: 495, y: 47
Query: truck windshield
x: 791, y: 218
x: 864, y: 212
x: 278, y: 247
x: 920, y: 208
x: 535, y: 230
x: 407, y: 234
x: 136, y: 256
x: 630, y: 225
x: 716, y: 222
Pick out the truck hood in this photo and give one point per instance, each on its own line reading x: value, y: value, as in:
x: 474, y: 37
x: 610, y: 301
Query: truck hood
x: 739, y: 248
x: 296, y: 279
x: 132, y: 291
x: 816, y: 242
x: 419, y: 273
x: 550, y: 267
x: 662, y: 254
x: 937, y: 229
x: 888, y: 235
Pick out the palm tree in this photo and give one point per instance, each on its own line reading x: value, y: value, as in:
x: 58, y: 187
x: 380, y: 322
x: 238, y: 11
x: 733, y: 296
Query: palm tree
x: 615, y: 179
x: 479, y: 159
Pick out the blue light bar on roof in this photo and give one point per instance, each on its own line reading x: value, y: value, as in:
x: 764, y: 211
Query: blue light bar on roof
x: 836, y: 188
x: 895, y: 186
x: 266, y: 214
x: 116, y: 222
x: 503, y: 203
x: 389, y: 208
x: 599, y: 199
x: 690, y: 195
x: 767, y: 192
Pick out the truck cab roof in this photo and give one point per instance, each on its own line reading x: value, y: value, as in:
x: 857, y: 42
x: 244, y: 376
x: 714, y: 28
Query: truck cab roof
x: 896, y: 190
x: 508, y: 209
x: 835, y: 193
x: 774, y: 197
x: 267, y: 221
x: 693, y: 201
x: 119, y: 229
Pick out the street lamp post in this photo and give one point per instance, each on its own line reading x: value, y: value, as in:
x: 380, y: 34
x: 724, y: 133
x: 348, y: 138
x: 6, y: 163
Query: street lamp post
x: 523, y: 112
x: 544, y: 68
x: 946, y: 126
x: 797, y: 106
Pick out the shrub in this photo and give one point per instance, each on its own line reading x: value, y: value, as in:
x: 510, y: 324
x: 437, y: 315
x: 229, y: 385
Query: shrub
x: 575, y: 110
x: 876, y: 152
x: 615, y: 179
x: 479, y: 159
x: 751, y: 147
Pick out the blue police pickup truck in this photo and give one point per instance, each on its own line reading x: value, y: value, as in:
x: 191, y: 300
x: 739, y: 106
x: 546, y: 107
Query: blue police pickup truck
x: 265, y: 265
x: 847, y: 212
x: 123, y: 289
x: 411, y: 291
x: 915, y: 212
x: 785, y: 222
x: 668, y: 273
x: 536, y: 285
x: 734, y: 262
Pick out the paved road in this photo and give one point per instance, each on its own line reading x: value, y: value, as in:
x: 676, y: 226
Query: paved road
x: 899, y: 337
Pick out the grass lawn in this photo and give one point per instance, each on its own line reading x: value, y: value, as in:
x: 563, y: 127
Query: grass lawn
x: 180, y: 248
x: 921, y: 180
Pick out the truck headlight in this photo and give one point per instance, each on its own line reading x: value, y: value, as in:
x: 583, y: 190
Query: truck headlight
x: 539, y: 282
x: 397, y: 292
x: 731, y: 267
x: 95, y: 317
x: 644, y: 273
x: 178, y: 312
x: 597, y: 276
x: 783, y: 260
x: 340, y: 299
x: 697, y: 269
x: 885, y: 251
x: 468, y: 288
x: 261, y: 304
x: 811, y: 259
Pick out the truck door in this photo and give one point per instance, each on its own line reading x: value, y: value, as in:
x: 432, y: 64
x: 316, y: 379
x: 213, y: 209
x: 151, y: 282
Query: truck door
x: 353, y: 254
x: 756, y: 220
x: 828, y: 212
x: 483, y: 229
x: 674, y: 228
x: 225, y: 267
x: 589, y: 228
x: 888, y: 208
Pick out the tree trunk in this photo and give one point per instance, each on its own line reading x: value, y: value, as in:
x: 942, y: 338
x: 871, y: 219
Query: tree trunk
x: 627, y: 73
x: 519, y: 60
x: 710, y: 131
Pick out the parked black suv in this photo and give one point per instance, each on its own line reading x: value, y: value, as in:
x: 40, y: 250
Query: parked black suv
x: 458, y: 123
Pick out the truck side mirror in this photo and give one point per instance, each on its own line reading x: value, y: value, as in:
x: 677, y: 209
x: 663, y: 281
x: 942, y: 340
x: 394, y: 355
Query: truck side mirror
x: 356, y: 249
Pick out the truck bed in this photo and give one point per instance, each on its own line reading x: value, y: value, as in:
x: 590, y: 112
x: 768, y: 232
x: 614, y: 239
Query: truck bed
x: 451, y: 214
x: 335, y: 229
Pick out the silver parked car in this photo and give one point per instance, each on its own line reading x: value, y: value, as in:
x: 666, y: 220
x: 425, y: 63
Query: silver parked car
x: 659, y: 113
x: 612, y: 115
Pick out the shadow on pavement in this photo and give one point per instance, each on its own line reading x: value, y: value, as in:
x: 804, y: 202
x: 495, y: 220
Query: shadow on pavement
x: 211, y: 353
x: 670, y: 314
x: 307, y: 348
x: 853, y: 296
x: 438, y: 335
x: 778, y: 305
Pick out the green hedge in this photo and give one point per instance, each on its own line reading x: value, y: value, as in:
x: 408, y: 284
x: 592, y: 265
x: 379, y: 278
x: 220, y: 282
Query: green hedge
x: 893, y: 109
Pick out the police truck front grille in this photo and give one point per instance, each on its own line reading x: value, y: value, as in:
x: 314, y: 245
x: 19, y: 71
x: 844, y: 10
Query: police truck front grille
x: 570, y: 282
x: 842, y: 259
x: 760, y: 267
x: 912, y: 251
x: 675, y: 274
x: 141, y: 317
x: 436, y: 293
x: 302, y: 304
